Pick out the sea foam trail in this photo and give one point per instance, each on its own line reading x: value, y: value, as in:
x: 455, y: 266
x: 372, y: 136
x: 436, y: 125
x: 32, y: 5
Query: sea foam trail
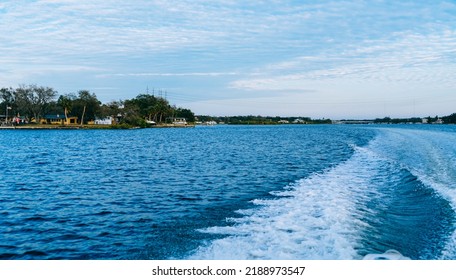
x: 374, y: 201
x: 315, y: 218
x: 430, y: 155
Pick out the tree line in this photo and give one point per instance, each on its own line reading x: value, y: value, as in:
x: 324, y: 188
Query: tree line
x: 33, y: 102
x: 250, y: 119
x: 450, y: 119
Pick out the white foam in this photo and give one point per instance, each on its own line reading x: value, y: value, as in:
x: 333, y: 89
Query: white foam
x: 431, y: 157
x: 316, y: 218
x: 388, y: 255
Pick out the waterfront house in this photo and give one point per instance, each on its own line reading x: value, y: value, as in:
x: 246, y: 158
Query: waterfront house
x: 299, y: 121
x: 104, y: 121
x: 53, y: 119
x: 58, y: 119
x: 177, y: 121
x: 438, y: 121
x: 71, y: 120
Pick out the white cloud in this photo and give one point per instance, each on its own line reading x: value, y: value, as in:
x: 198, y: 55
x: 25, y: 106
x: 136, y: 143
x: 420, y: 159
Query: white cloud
x: 409, y: 58
x: 320, y: 49
x: 209, y: 74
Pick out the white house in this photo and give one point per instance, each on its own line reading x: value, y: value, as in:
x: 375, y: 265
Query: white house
x: 105, y: 121
x: 299, y: 121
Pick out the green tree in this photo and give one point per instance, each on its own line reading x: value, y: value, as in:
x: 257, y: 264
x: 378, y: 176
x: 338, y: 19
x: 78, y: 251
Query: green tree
x: 7, y: 99
x: 66, y: 103
x: 113, y: 108
x: 7, y: 95
x: 22, y: 101
x: 449, y: 119
x: 149, y: 107
x: 161, y: 110
x: 40, y: 99
x: 86, y: 106
x: 146, y: 105
x: 33, y: 100
x: 185, y: 113
x: 131, y: 114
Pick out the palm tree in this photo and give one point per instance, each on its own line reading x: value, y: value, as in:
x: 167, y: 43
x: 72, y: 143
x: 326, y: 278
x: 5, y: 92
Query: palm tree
x: 66, y: 102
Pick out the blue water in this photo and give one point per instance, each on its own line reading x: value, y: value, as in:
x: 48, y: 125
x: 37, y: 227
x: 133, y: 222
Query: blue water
x: 228, y: 192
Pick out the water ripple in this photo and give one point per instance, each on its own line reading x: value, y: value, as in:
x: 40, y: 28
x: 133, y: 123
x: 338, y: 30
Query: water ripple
x: 144, y: 193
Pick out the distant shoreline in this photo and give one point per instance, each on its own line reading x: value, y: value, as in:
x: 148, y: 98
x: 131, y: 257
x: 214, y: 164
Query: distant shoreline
x: 124, y: 127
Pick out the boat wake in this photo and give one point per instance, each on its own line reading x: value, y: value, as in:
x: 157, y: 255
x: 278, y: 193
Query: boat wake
x: 394, y: 193
x: 430, y: 155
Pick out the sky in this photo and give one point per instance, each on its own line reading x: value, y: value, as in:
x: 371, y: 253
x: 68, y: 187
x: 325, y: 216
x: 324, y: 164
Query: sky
x: 319, y: 59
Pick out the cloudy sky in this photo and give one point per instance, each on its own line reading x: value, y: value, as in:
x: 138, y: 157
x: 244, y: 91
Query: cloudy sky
x: 333, y: 59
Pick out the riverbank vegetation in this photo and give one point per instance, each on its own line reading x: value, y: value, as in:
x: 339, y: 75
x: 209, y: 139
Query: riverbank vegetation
x: 245, y: 120
x: 29, y: 104
x: 39, y: 105
x: 451, y: 119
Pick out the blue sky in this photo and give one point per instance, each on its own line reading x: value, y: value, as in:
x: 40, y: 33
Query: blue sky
x: 333, y: 59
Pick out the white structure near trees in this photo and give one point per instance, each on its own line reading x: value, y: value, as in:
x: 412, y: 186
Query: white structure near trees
x: 105, y: 121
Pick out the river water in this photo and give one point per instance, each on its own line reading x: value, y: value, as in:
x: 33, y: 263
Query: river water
x: 228, y: 192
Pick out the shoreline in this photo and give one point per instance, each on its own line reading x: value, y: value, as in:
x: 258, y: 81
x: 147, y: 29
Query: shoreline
x: 121, y: 127
x: 87, y: 127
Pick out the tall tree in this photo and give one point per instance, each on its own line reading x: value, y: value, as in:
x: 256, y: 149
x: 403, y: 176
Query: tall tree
x: 161, y: 109
x: 22, y: 101
x: 185, y: 113
x: 40, y: 99
x: 112, y: 108
x: 86, y: 106
x: 146, y: 104
x: 66, y: 102
x: 33, y: 100
x: 7, y: 99
x: 7, y: 95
